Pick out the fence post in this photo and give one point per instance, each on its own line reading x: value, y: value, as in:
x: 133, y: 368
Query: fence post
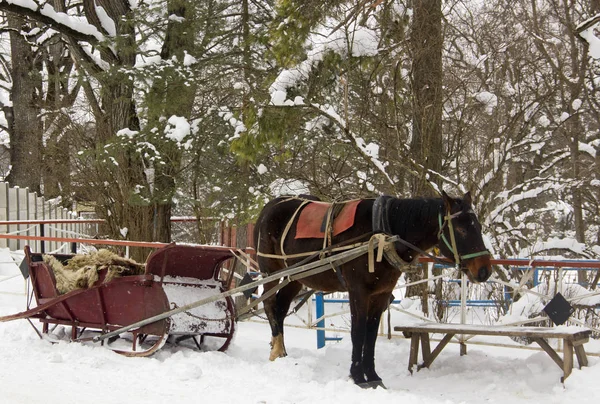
x: 42, y: 242
x: 40, y: 213
x: 250, y: 236
x: 12, y: 214
x: 22, y: 207
x: 4, y: 211
x: 320, y: 311
x: 463, y: 311
x: 75, y: 231
x: 63, y: 226
x: 31, y: 215
x: 224, y: 234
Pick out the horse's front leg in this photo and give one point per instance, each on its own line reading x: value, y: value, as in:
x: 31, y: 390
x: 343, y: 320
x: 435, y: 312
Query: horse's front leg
x: 358, y: 312
x: 377, y: 306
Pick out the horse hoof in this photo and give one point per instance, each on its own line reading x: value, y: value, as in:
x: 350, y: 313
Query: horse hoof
x: 372, y: 385
x: 274, y: 355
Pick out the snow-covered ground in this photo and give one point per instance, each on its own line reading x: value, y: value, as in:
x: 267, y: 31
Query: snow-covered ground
x: 36, y: 371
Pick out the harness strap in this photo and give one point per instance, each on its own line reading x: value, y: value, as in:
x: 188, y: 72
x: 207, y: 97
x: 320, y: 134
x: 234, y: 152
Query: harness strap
x: 340, y: 247
x: 381, y: 241
x: 453, y: 240
x: 441, y: 235
x: 452, y: 245
x: 381, y: 225
x: 328, y: 225
x: 289, y: 225
x: 327, y: 228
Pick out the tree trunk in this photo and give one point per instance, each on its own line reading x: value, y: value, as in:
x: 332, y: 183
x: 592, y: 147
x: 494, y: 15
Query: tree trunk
x: 426, y: 145
x: 128, y: 216
x: 178, y: 100
x: 26, y: 130
x: 573, y: 131
x: 426, y: 47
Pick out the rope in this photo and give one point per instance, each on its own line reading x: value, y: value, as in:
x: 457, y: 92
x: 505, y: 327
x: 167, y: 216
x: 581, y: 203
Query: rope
x: 21, y: 231
x: 69, y: 232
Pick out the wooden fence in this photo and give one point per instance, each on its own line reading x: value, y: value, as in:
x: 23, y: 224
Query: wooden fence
x: 22, y: 205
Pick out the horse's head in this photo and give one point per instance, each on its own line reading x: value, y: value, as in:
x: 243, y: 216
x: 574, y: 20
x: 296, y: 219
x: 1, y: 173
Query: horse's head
x: 460, y: 238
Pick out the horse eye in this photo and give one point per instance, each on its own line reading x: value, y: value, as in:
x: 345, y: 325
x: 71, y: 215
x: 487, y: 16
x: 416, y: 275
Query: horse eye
x: 461, y: 231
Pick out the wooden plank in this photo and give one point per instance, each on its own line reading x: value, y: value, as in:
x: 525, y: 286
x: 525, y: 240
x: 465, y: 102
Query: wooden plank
x: 570, y: 333
x: 580, y: 341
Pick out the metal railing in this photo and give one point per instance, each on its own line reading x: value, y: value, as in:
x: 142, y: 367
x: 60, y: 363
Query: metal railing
x: 466, y: 303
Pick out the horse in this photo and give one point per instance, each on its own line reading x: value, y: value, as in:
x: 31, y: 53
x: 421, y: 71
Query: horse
x: 420, y: 224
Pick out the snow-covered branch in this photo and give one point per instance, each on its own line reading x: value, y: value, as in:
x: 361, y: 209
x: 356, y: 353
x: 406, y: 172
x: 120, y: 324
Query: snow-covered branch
x: 69, y: 25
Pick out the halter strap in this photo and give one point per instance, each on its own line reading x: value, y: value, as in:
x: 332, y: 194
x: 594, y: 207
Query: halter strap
x: 452, y: 245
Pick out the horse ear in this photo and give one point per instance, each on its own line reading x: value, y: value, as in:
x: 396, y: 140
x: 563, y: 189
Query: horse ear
x: 467, y: 198
x: 447, y: 201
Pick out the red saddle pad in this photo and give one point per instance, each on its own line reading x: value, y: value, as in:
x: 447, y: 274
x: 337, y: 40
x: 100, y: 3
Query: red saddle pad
x: 312, y: 216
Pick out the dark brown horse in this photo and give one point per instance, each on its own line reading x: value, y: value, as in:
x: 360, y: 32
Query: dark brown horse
x: 424, y: 223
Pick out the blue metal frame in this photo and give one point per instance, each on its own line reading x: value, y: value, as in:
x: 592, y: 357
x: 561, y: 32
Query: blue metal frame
x: 320, y: 311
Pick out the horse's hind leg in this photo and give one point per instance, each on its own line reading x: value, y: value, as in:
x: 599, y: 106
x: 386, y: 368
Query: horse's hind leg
x: 377, y: 306
x: 358, y: 310
x: 270, y: 305
x: 276, y: 308
x: 284, y: 301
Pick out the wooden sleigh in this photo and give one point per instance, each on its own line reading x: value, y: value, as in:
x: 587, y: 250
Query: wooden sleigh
x: 174, y: 276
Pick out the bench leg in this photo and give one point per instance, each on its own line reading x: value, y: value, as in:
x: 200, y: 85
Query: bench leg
x: 463, y: 348
x: 550, y: 351
x: 581, y: 356
x: 429, y: 360
x: 414, y: 351
x: 425, y: 347
x: 566, y: 363
x: 567, y: 359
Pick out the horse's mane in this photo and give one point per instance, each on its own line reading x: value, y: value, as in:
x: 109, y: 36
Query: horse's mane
x: 413, y: 215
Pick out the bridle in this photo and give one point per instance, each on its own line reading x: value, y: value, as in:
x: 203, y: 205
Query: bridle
x: 452, y: 244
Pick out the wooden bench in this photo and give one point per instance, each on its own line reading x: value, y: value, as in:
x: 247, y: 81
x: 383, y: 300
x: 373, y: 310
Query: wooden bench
x: 573, y: 339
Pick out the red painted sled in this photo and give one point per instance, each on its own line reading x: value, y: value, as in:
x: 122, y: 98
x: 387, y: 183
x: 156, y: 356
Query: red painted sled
x: 175, y: 276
